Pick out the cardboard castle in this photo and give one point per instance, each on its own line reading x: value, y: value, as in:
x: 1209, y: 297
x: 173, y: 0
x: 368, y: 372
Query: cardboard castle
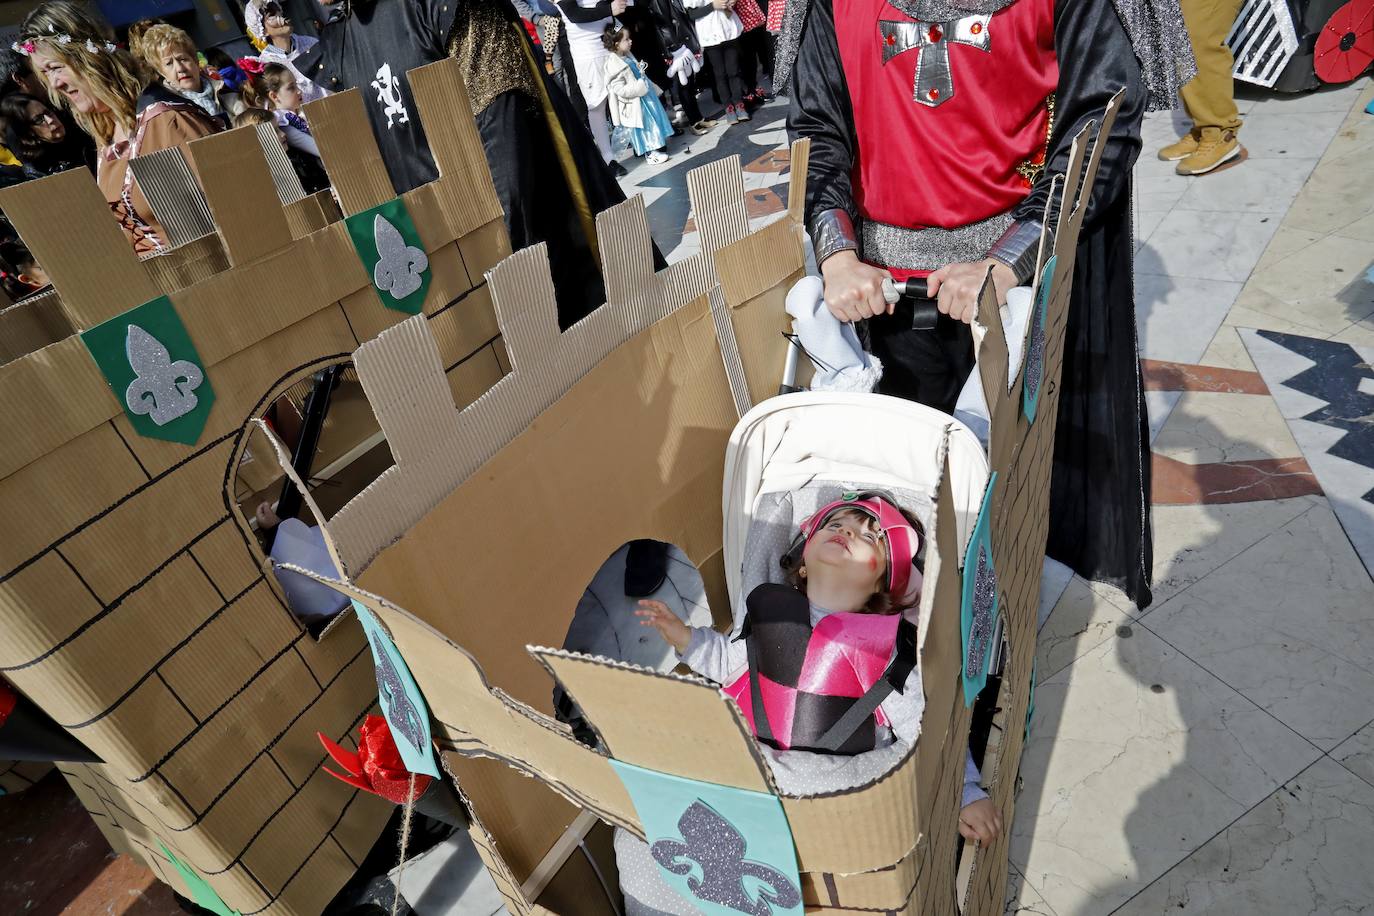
x: 140, y: 612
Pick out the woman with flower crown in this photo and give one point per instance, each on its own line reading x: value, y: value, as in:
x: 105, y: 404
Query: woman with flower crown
x: 75, y: 56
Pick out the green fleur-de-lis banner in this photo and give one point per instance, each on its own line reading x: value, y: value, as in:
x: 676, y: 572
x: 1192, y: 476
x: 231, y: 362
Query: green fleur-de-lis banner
x: 153, y: 368
x: 393, y: 255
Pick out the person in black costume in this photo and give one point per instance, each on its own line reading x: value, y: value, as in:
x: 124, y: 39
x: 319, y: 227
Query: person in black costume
x: 938, y: 135
x: 549, y: 178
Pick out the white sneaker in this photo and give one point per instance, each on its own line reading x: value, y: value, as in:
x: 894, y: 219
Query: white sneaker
x: 656, y: 157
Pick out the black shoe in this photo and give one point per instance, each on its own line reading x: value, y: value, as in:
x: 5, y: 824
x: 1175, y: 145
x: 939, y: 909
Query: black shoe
x: 646, y: 568
x: 618, y: 170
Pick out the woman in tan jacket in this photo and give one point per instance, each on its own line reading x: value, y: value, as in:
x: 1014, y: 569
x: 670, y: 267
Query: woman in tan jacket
x: 75, y: 55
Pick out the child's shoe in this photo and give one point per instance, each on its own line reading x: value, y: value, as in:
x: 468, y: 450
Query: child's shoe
x: 730, y: 114
x: 656, y: 157
x: 1216, y: 148
x: 704, y: 126
x: 742, y: 114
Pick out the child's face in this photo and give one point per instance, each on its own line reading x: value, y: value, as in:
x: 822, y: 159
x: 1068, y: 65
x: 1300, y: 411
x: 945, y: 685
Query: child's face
x: 180, y: 68
x: 622, y: 47
x: 288, y: 96
x: 848, y: 549
x: 276, y: 23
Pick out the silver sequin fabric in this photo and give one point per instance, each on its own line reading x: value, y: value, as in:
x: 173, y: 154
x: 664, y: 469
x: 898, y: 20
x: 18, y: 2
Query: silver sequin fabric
x: 933, y: 248
x: 984, y: 596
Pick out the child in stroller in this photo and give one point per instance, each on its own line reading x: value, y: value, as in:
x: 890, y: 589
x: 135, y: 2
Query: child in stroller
x: 824, y: 668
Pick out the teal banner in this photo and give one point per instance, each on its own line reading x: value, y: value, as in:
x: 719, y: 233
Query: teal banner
x: 1033, y: 378
x: 402, y: 703
x: 980, y: 601
x: 727, y: 851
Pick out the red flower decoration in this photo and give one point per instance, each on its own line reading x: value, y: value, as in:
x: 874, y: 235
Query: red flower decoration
x: 377, y: 766
x: 250, y: 65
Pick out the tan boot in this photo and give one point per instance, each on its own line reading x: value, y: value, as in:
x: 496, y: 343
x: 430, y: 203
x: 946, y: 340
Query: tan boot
x: 1185, y: 147
x: 1216, y: 148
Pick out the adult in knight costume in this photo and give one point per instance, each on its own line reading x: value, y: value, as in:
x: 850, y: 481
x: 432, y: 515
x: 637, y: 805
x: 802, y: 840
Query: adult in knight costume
x: 549, y: 177
x: 937, y: 127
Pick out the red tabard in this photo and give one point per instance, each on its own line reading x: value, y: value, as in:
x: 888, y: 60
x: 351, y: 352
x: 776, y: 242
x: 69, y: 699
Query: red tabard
x: 954, y: 163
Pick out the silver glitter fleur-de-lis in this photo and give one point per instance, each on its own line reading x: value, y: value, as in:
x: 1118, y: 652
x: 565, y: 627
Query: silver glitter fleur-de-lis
x: 931, y: 41
x: 162, y: 389
x: 399, y: 266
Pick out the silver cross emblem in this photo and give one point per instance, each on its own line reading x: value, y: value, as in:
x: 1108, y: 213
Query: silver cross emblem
x: 931, y: 41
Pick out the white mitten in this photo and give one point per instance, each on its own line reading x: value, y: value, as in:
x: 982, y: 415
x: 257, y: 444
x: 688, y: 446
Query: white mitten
x: 840, y: 361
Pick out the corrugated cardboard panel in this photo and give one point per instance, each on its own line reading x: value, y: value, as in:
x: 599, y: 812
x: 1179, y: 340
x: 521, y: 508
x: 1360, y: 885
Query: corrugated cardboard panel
x: 173, y: 194
x: 123, y: 647
x: 43, y: 603
x: 357, y: 832
x: 449, y: 281
x: 262, y: 707
x: 471, y: 378
x: 502, y: 357
x: 312, y: 213
x: 18, y: 775
x: 284, y: 178
x: 671, y: 424
x: 442, y: 99
x: 465, y: 326
x: 85, y: 253
x: 246, y: 382
x: 151, y: 527
x: 147, y: 725
x: 885, y: 889
x: 32, y: 325
x: 73, y: 484
x: 50, y: 398
x: 289, y: 839
x: 225, y: 557
x: 341, y: 130
x: 188, y: 264
x: 626, y: 707
x: 484, y: 248
x: 526, y: 818
x: 577, y: 889
x: 717, y: 192
x: 250, y: 628
x: 328, y: 868
x: 245, y: 307
x: 239, y: 190
x: 327, y: 656
x: 247, y: 804
x: 338, y: 712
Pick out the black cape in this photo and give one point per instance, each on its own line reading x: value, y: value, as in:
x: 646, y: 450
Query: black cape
x: 1100, y: 489
x: 517, y: 136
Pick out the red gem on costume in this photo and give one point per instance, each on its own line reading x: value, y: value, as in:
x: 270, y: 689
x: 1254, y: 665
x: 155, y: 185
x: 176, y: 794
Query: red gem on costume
x: 976, y: 28
x: 935, y: 34
x: 933, y: 94
x: 892, y: 39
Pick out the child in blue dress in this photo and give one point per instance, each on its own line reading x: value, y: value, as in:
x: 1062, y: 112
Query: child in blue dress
x: 634, y: 103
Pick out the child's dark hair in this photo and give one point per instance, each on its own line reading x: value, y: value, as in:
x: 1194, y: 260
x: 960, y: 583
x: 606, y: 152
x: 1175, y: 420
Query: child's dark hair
x: 882, y: 601
x: 217, y: 58
x: 15, y: 259
x: 257, y: 90
x: 611, y: 37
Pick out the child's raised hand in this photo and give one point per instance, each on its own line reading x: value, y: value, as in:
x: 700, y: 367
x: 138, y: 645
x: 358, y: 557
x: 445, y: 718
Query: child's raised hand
x: 981, y: 821
x: 656, y: 614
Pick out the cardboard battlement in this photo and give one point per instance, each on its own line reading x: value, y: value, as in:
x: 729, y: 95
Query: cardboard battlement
x: 142, y: 615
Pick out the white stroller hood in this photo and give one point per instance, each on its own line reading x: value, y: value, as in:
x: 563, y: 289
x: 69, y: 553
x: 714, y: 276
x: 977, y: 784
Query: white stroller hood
x: 793, y: 453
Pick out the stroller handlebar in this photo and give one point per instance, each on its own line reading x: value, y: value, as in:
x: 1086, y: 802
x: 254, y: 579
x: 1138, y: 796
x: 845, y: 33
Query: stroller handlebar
x: 924, y: 312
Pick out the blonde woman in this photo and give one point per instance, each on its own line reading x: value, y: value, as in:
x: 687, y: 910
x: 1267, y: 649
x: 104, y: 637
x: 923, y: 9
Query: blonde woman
x: 171, y: 53
x: 75, y: 56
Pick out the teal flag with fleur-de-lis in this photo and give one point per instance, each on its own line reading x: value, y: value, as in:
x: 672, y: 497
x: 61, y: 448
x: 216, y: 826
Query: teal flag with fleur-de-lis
x: 393, y: 255
x: 151, y: 365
